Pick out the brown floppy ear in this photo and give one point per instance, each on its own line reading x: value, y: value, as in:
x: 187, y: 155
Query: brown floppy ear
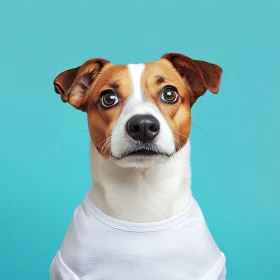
x: 200, y: 75
x: 72, y: 84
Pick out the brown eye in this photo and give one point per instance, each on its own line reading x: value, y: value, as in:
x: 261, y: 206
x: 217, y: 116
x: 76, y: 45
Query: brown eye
x: 109, y: 99
x: 169, y: 95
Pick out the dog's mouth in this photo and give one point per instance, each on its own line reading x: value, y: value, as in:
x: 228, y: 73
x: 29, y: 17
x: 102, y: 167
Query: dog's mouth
x: 142, y: 153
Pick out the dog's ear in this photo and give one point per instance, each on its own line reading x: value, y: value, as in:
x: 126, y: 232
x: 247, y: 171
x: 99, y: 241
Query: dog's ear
x: 200, y: 75
x: 72, y: 84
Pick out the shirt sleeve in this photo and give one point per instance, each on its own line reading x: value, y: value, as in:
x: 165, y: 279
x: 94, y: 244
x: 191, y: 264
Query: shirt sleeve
x: 60, y: 271
x: 223, y: 274
x: 218, y: 272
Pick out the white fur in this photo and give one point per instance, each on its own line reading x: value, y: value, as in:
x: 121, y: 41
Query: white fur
x: 136, y: 195
x: 146, y: 190
x: 135, y: 72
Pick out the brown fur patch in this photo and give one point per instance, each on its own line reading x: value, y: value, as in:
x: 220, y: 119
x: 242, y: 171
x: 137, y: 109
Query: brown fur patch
x: 200, y: 75
x: 101, y: 121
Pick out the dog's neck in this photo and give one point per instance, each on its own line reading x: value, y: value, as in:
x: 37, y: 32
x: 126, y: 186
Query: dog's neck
x: 134, y: 195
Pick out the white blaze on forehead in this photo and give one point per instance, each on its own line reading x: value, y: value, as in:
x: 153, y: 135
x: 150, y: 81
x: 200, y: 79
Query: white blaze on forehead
x: 135, y: 72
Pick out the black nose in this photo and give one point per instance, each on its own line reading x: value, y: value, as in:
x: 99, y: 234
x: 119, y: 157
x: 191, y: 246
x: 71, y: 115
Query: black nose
x: 143, y: 127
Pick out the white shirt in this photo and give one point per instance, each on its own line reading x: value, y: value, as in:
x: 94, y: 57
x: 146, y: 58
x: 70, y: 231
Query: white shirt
x: 100, y: 247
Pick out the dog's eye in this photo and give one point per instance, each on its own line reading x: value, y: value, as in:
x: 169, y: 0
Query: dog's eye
x: 109, y: 99
x: 169, y: 95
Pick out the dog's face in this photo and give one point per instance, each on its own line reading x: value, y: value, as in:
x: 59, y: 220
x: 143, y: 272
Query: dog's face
x: 138, y: 114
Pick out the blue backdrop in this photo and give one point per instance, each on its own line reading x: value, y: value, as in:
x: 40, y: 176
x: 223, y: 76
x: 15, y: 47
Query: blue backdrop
x: 44, y: 167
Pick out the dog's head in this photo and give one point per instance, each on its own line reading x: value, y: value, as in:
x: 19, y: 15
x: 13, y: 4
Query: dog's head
x: 138, y: 114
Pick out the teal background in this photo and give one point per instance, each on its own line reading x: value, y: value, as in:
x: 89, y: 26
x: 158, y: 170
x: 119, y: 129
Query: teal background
x: 44, y: 168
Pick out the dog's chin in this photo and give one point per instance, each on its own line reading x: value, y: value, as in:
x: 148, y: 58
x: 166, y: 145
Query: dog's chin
x: 141, y: 159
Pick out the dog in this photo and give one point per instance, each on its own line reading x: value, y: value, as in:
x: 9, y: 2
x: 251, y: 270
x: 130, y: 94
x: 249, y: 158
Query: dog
x: 139, y: 220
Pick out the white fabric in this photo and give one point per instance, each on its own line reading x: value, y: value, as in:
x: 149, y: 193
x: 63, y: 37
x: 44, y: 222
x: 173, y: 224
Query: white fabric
x: 98, y: 247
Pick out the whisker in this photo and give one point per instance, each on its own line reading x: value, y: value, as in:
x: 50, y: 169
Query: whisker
x: 177, y: 140
x: 178, y: 143
x: 177, y: 132
x: 198, y: 127
x: 105, y: 146
x: 104, y: 140
x: 104, y: 149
